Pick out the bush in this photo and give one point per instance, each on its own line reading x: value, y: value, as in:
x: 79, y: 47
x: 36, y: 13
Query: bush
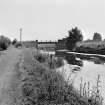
x: 18, y: 45
x: 48, y: 60
x: 40, y: 57
x: 4, y: 42
x: 14, y: 41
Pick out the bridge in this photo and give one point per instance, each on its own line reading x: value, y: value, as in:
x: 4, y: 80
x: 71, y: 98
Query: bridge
x: 47, y: 45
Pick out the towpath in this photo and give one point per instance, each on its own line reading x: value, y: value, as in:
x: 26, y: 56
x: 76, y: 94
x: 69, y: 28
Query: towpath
x: 8, y: 61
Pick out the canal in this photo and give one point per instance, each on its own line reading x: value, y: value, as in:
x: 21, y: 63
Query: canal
x: 80, y: 68
x: 84, y: 69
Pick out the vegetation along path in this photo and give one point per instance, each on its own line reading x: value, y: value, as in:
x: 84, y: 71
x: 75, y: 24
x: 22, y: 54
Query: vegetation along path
x: 8, y: 61
x: 29, y: 78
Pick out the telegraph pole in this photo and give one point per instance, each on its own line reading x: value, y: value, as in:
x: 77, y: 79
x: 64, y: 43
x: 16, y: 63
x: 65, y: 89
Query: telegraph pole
x: 20, y: 35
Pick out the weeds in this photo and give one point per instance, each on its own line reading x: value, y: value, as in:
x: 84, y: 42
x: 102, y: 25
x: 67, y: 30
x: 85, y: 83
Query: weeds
x: 49, y: 60
x: 42, y: 85
x: 93, y: 95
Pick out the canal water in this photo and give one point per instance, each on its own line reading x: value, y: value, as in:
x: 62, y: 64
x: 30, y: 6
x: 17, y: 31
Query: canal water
x: 86, y: 70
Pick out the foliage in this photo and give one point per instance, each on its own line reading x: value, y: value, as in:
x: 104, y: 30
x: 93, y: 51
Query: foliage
x: 48, y: 60
x: 40, y: 57
x: 90, y: 50
x: 18, y: 44
x: 40, y: 85
x: 97, y: 37
x: 14, y: 41
x: 93, y: 95
x: 75, y: 35
x: 4, y: 42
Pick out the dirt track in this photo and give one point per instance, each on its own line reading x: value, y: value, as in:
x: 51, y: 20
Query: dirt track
x: 8, y: 61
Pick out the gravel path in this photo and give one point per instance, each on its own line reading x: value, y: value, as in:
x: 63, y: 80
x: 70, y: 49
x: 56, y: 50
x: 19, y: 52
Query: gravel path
x: 8, y: 62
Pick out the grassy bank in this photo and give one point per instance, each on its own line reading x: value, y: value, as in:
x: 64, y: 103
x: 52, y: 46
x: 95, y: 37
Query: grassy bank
x: 89, y: 50
x: 40, y: 84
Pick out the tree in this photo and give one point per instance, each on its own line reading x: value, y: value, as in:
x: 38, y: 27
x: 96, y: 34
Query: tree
x: 4, y: 42
x: 75, y: 35
x: 14, y: 41
x: 97, y: 37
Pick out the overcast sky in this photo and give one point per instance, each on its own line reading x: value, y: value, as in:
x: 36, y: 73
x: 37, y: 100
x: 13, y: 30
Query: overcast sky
x: 51, y: 19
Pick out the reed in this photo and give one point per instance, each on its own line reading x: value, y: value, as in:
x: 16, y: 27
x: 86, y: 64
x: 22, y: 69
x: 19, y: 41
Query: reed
x: 93, y: 95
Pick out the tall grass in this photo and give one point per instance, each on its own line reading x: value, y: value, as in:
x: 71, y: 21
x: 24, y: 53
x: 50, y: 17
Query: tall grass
x: 93, y: 95
x: 40, y: 84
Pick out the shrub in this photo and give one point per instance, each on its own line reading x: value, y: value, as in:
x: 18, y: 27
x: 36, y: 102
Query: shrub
x: 14, y: 41
x: 18, y: 44
x: 41, y: 58
x: 4, y: 42
x: 48, y: 60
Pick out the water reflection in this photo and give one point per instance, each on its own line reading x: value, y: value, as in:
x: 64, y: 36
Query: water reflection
x: 72, y: 59
x: 78, y: 59
x: 86, y: 66
x: 97, y: 60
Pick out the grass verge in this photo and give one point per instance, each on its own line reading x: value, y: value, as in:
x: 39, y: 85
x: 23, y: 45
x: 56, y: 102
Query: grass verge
x: 40, y: 84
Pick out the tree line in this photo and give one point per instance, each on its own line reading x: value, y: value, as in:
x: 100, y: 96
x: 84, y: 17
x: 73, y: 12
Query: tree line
x: 75, y: 35
x: 5, y: 42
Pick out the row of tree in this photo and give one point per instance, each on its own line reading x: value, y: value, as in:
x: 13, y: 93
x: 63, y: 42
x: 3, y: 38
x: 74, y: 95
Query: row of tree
x: 5, y: 42
x: 75, y: 35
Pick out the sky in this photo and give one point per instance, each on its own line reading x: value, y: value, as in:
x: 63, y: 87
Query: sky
x: 51, y: 19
